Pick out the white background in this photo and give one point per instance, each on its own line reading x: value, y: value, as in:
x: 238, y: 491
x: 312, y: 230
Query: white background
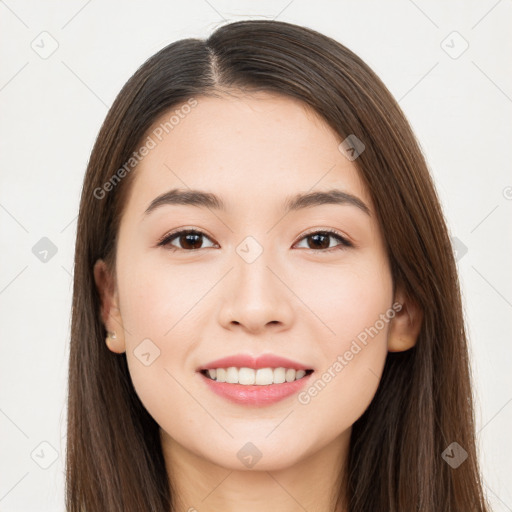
x: 51, y: 110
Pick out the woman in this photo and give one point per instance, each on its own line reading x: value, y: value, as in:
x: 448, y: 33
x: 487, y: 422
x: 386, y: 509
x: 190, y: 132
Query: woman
x: 266, y: 309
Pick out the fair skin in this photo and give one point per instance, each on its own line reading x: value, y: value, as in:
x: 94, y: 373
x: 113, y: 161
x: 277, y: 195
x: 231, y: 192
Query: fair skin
x: 295, y: 300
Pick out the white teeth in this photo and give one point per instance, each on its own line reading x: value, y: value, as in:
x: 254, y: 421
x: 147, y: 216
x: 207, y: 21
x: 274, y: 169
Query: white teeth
x: 279, y: 375
x: 290, y: 375
x: 246, y: 376
x: 264, y: 376
x: 232, y: 375
x: 299, y: 374
x: 260, y: 377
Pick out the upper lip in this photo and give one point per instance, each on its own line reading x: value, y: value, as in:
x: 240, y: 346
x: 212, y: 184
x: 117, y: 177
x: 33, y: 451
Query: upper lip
x: 250, y: 361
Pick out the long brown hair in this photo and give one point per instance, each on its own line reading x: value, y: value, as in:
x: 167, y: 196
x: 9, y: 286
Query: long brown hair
x: 424, y: 400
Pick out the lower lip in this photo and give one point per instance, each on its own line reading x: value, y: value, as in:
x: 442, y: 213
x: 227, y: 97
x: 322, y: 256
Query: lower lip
x: 253, y: 394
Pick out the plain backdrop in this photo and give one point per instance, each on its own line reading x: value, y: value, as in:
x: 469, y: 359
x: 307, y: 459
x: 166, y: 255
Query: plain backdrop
x: 61, y: 65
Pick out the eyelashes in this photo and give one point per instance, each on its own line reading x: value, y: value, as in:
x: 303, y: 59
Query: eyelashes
x: 186, y: 234
x: 192, y: 237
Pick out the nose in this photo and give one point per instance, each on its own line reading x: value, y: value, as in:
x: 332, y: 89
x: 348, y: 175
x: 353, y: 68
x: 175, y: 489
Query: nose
x: 257, y: 296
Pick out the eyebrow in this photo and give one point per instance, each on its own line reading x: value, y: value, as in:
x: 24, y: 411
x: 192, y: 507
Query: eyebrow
x: 292, y: 203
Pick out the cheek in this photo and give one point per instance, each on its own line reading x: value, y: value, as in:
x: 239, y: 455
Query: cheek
x: 345, y: 299
x: 342, y: 389
x: 356, y: 306
x: 338, y: 396
x: 160, y: 308
x: 158, y: 300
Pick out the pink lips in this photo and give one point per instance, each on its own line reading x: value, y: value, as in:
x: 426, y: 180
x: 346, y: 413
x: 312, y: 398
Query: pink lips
x: 254, y: 395
x: 248, y: 361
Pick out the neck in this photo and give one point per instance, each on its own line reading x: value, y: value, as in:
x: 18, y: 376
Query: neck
x: 311, y: 484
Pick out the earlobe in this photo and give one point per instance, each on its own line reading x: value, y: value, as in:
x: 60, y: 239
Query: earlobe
x: 110, y: 313
x: 405, y: 327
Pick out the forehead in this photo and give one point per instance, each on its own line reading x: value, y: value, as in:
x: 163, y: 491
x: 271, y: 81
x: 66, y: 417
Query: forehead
x: 248, y: 148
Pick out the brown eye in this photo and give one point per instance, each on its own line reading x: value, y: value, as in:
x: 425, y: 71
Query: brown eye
x: 320, y: 241
x: 192, y: 240
x: 189, y: 240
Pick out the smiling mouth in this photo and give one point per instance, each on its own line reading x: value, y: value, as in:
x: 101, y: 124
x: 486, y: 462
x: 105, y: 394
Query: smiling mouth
x: 258, y: 377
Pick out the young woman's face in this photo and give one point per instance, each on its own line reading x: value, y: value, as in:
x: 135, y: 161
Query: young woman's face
x: 258, y: 279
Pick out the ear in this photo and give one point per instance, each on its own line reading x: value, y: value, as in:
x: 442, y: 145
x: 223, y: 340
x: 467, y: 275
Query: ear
x: 110, y: 313
x: 405, y: 326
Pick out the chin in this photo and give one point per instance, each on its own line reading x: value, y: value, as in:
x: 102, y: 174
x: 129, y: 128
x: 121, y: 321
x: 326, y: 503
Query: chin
x: 258, y: 454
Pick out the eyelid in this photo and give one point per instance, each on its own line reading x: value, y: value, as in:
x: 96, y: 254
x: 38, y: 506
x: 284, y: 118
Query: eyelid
x: 187, y: 229
x: 345, y: 242
x: 329, y: 231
